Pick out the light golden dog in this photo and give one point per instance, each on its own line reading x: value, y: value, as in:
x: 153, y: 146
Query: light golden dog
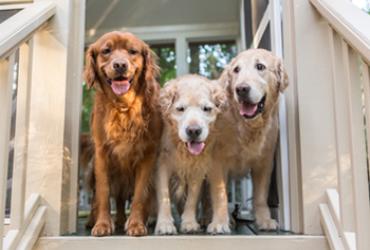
x: 190, y: 106
x: 253, y: 82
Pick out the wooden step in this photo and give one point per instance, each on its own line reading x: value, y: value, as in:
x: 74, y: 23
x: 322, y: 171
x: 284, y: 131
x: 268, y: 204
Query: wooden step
x: 295, y: 242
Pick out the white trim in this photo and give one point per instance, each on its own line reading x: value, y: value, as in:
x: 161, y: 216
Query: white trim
x: 192, y: 32
x: 6, y: 89
x: 21, y: 135
x: 334, y: 240
x: 16, y: 236
x: 19, y: 27
x: 181, y: 46
x: 242, y: 41
x: 274, y: 12
x: 348, y: 20
x: 14, y: 6
x: 185, y: 242
x: 261, y: 27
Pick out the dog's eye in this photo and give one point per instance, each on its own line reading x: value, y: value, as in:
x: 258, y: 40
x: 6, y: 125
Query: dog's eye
x: 207, y: 109
x: 133, y: 51
x: 106, y: 51
x: 260, y: 66
x: 180, y: 108
x: 236, y: 69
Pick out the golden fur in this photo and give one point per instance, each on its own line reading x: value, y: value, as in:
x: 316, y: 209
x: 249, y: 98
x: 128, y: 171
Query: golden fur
x: 247, y: 144
x: 180, y: 173
x: 126, y: 129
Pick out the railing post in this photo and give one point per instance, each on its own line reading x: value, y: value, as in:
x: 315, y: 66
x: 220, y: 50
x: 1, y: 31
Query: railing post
x: 315, y: 108
x: 341, y: 115
x: 6, y: 87
x: 21, y: 136
x: 293, y: 137
x: 357, y: 147
x: 54, y: 118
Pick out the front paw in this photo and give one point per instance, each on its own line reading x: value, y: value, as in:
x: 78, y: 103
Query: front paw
x: 267, y: 224
x: 218, y: 228
x: 189, y: 226
x: 263, y: 219
x: 135, y: 227
x: 103, y: 228
x: 164, y: 227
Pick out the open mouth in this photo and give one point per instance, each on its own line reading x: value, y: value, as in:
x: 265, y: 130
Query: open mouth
x: 251, y: 110
x: 120, y: 85
x: 195, y: 147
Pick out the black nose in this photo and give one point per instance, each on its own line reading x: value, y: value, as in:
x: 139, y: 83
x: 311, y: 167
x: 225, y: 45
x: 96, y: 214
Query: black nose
x: 243, y: 91
x: 120, y: 66
x: 193, y: 131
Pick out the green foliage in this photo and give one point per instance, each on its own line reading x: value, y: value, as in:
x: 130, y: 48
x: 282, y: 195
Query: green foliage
x: 87, y: 104
x: 167, y: 62
x: 209, y: 59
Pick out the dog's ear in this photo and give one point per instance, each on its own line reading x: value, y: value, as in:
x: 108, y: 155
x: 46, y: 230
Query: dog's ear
x: 219, y: 95
x: 90, y: 72
x: 151, y: 69
x: 281, y: 75
x: 168, y: 96
x: 150, y: 75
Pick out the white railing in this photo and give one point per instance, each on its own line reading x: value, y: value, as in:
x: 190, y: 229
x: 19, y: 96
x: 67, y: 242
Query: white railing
x: 27, y: 214
x: 346, y: 215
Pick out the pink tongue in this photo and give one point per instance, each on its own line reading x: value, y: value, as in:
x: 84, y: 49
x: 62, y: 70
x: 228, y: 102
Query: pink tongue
x: 248, y: 109
x: 195, y: 148
x: 120, y: 87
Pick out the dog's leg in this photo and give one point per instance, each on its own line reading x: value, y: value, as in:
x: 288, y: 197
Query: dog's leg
x: 189, y: 222
x: 135, y: 224
x: 120, y: 215
x: 165, y: 220
x: 220, y: 218
x: 103, y: 225
x: 261, y: 181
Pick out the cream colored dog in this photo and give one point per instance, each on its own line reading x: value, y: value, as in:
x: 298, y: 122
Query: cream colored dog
x: 253, y: 81
x: 190, y: 106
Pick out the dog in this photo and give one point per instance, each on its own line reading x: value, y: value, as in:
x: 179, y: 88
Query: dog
x: 253, y: 82
x: 126, y: 129
x: 190, y: 106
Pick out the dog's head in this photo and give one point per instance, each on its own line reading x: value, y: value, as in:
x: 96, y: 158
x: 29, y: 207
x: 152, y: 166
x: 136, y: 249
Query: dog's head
x: 119, y: 62
x: 254, y: 79
x: 191, y: 104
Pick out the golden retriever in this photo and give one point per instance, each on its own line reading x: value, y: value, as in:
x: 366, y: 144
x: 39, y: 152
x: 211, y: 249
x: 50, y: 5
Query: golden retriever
x: 253, y: 82
x: 126, y: 129
x: 190, y: 106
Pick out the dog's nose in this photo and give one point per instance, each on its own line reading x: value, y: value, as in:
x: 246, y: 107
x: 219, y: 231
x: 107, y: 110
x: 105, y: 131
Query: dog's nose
x: 243, y: 91
x: 193, y: 131
x: 120, y: 66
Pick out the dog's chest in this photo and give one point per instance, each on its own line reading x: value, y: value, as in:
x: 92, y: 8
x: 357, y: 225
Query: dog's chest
x: 125, y: 133
x: 252, y: 144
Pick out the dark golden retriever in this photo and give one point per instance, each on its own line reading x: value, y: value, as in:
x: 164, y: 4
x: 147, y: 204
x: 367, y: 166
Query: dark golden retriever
x: 126, y: 129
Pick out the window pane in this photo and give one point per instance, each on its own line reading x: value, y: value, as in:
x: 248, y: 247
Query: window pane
x: 210, y: 58
x: 166, y: 61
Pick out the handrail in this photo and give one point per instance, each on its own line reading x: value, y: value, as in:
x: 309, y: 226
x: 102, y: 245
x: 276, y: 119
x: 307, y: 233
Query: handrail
x: 19, y: 27
x: 349, y: 21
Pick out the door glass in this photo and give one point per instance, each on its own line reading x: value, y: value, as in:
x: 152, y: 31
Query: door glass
x: 166, y: 61
x: 209, y: 58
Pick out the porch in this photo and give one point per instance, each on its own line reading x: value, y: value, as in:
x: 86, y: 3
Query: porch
x: 322, y: 164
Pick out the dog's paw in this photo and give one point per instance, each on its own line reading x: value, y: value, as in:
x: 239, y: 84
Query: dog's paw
x: 218, y: 228
x: 135, y: 228
x: 189, y: 226
x: 164, y: 227
x: 103, y: 228
x: 267, y: 224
